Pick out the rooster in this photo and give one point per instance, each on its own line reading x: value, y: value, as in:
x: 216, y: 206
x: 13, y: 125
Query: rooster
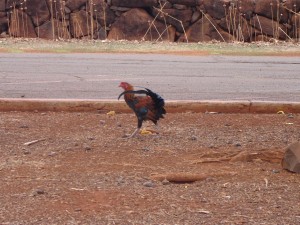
x: 146, y: 106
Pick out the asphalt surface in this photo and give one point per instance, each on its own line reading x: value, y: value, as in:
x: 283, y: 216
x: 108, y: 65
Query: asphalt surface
x: 97, y: 76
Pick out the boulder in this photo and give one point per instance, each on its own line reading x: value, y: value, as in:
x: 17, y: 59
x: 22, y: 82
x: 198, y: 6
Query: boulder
x: 293, y: 5
x: 81, y: 25
x: 180, y: 19
x: 21, y: 25
x: 246, y: 8
x: 53, y: 30
x: 10, y: 4
x: 291, y: 158
x: 271, y: 9
x: 216, y: 8
x: 2, y: 5
x: 237, y: 26
x: 103, y: 13
x: 136, y: 24
x: 3, y: 14
x: 184, y: 2
x: 135, y: 3
x: 3, y: 24
x: 38, y: 11
x: 165, y: 4
x: 295, y: 27
x: 74, y: 5
x: 268, y: 27
x: 205, y: 30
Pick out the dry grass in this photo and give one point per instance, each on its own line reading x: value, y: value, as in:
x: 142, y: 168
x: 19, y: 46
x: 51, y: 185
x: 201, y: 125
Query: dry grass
x: 16, y: 45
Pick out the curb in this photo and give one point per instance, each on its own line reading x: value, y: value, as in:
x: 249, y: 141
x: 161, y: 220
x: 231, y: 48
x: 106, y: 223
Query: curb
x: 75, y: 105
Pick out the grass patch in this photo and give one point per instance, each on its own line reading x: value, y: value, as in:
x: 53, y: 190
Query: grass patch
x: 90, y: 46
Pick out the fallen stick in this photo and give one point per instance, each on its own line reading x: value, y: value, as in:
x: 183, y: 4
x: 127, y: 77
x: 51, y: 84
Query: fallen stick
x: 33, y: 142
x: 180, y: 177
x: 186, y: 177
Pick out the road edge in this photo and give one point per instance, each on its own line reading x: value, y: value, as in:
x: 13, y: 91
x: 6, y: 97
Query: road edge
x: 182, y: 106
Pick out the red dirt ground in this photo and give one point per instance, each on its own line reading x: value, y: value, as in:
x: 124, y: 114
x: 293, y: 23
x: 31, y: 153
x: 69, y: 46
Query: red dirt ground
x: 82, y: 171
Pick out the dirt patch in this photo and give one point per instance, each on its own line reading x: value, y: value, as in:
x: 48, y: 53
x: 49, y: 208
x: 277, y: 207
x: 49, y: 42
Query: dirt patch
x: 79, y: 169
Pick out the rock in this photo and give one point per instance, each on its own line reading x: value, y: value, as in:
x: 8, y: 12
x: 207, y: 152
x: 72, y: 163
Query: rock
x: 216, y: 8
x: 205, y: 30
x: 293, y: 5
x: 271, y: 9
x: 267, y: 26
x: 165, y: 4
x: 193, y: 138
x: 196, y: 15
x: 184, y: 2
x: 60, y: 30
x: 183, y: 17
x: 80, y: 24
x: 237, y: 26
x: 135, y: 3
x: 75, y: 4
x: 291, y: 158
x: 40, y: 191
x: 2, y: 6
x: 38, y: 11
x: 246, y: 8
x: 237, y: 144
x: 165, y: 182
x: 180, y: 7
x: 121, y: 9
x: 26, y: 152
x: 104, y: 15
x: 136, y: 25
x: 21, y: 25
x: 52, y: 154
x: 148, y: 184
x: 87, y: 148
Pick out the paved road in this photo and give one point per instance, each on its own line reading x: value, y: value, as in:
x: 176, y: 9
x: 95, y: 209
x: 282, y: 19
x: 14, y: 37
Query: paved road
x: 96, y: 76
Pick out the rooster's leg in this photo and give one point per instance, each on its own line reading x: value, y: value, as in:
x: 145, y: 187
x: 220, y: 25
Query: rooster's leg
x: 134, y: 132
x: 140, y: 122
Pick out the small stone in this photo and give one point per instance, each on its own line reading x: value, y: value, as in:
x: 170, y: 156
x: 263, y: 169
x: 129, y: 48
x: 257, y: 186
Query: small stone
x: 120, y: 180
x: 39, y: 191
x: 275, y: 171
x: 165, y: 182
x: 24, y: 126
x: 102, y: 122
x: 193, y: 138
x: 51, y: 153
x: 78, y: 210
x: 87, y: 147
x: 91, y: 138
x: 148, y: 184
x: 290, y: 115
x: 238, y: 145
x: 26, y: 152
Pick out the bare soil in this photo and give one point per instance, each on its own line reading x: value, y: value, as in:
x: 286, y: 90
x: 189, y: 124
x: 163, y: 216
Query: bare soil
x: 77, y: 168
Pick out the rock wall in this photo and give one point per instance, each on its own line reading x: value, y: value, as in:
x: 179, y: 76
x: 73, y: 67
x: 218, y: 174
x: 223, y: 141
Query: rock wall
x: 152, y: 20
